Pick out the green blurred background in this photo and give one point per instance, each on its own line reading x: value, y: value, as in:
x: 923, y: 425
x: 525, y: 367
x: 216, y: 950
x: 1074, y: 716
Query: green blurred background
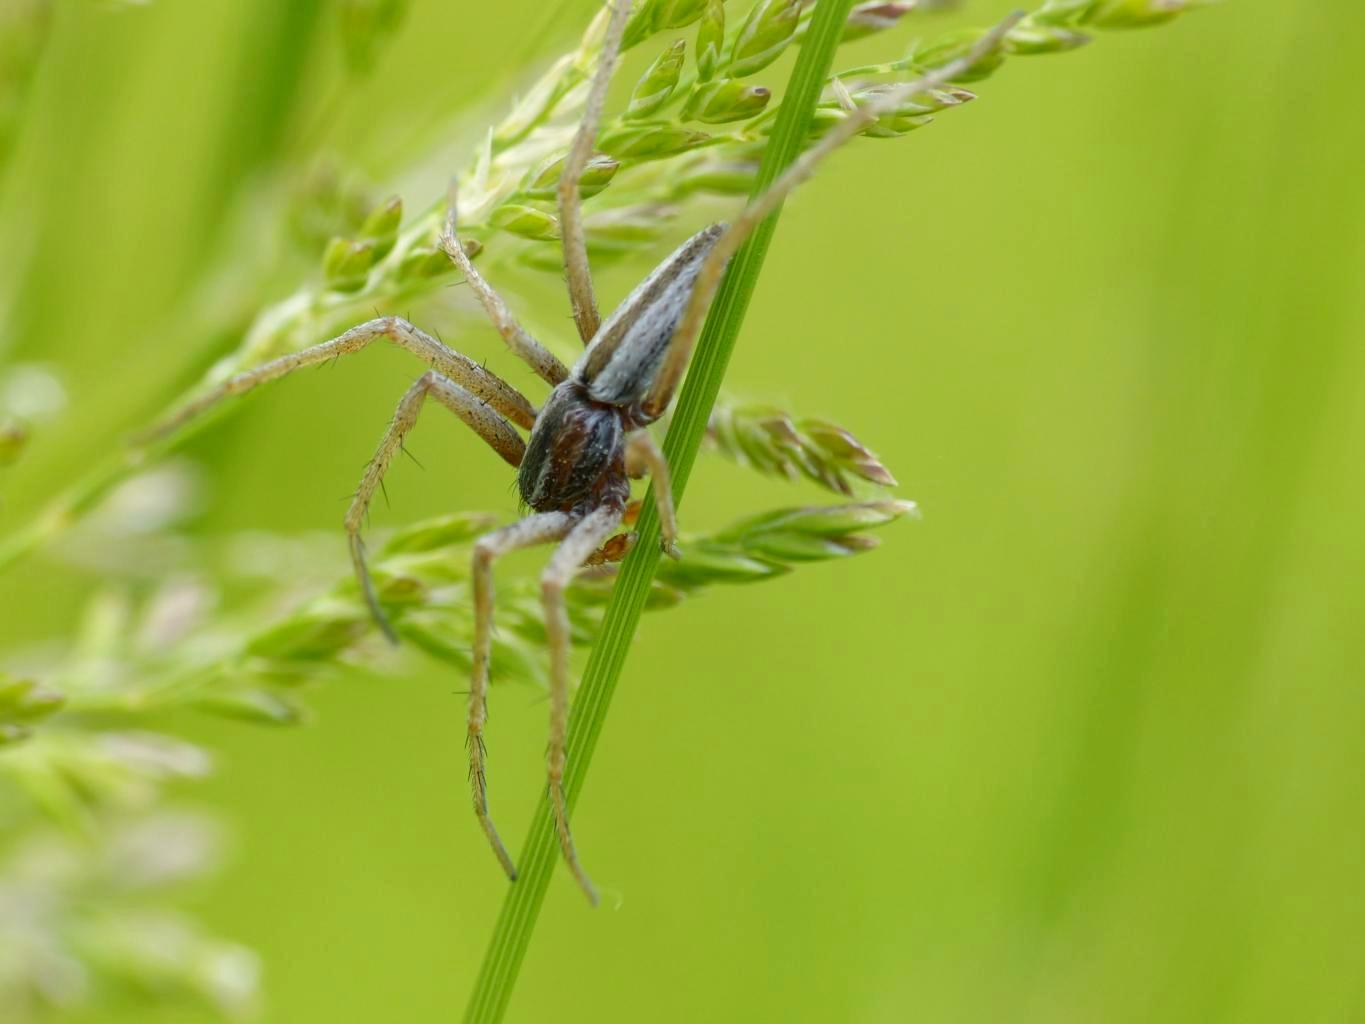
x: 1084, y: 744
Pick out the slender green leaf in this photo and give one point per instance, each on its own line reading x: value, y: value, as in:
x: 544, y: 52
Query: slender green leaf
x: 516, y: 923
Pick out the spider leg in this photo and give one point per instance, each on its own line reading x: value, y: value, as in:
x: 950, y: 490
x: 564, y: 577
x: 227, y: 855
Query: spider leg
x: 643, y: 455
x: 761, y: 206
x: 518, y: 339
x: 587, y: 535
x: 535, y: 529
x: 485, y: 422
x: 486, y: 386
x: 576, y: 267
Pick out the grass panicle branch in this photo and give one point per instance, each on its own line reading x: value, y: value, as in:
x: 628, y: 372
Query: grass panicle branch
x: 702, y: 139
x: 771, y: 441
x: 81, y: 767
x: 232, y: 665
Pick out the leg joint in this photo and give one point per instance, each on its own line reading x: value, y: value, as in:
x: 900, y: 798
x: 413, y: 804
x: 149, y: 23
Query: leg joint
x: 552, y: 585
x: 484, y: 552
x: 393, y: 327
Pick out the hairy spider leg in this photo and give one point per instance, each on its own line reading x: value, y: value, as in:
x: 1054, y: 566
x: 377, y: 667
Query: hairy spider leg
x: 481, y: 383
x: 473, y: 393
x: 576, y: 270
x: 643, y: 455
x: 540, y: 528
x: 518, y: 339
x: 481, y: 418
x: 585, y: 538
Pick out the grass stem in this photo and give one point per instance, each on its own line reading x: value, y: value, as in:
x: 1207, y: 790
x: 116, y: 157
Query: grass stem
x: 516, y: 921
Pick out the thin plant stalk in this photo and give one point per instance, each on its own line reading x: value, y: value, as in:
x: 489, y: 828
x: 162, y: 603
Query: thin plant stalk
x: 517, y: 919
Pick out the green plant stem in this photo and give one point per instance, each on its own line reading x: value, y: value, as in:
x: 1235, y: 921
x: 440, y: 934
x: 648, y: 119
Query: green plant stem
x: 517, y: 919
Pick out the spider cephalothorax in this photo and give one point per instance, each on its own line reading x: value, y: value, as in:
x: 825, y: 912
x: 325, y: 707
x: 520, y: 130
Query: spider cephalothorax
x: 576, y: 457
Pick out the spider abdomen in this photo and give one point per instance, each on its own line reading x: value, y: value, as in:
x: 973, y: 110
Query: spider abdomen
x: 575, y: 457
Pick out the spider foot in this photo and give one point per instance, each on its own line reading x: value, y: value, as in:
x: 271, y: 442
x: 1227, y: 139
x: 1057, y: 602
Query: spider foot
x: 366, y: 582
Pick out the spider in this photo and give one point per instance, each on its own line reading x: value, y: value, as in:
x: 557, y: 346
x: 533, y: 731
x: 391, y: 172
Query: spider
x: 589, y: 438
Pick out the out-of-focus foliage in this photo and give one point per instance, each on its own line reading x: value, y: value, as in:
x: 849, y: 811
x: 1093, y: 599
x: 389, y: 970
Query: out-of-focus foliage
x: 238, y: 630
x: 82, y: 924
x: 23, y: 33
x: 1083, y: 744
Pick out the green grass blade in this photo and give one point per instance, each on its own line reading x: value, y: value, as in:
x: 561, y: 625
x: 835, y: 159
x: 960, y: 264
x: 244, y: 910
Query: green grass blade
x: 516, y: 922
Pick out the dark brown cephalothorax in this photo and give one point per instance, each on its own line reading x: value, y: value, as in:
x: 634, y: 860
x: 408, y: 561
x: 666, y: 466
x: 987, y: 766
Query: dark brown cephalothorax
x: 588, y: 439
x: 576, y: 458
